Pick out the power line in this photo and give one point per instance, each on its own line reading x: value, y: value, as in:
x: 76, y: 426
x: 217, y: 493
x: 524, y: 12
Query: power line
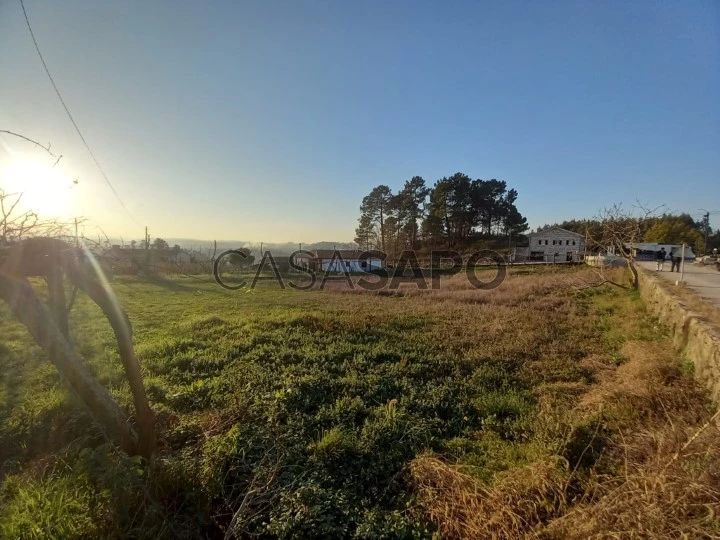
x: 70, y: 116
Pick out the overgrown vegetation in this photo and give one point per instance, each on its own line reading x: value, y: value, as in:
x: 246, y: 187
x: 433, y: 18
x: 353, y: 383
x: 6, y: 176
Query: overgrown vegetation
x: 527, y: 410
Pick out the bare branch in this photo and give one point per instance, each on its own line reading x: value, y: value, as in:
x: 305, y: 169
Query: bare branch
x: 618, y: 232
x: 600, y: 284
x: 46, y: 148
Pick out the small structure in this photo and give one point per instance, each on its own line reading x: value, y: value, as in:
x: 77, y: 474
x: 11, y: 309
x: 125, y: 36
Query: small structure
x: 553, y: 244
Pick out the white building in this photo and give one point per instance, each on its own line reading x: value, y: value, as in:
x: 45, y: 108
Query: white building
x: 553, y: 244
x: 347, y: 260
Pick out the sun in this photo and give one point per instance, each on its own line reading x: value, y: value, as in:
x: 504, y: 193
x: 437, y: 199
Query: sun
x: 45, y: 189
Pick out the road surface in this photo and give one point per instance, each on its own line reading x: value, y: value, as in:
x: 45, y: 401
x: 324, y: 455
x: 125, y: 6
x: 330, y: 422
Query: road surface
x: 704, y: 280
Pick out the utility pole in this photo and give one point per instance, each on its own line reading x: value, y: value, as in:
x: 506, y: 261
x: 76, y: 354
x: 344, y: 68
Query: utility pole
x: 77, y: 240
x: 682, y: 265
x: 706, y: 222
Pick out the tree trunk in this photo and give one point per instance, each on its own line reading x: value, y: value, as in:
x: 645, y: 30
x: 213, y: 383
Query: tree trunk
x: 28, y: 309
x: 382, y: 230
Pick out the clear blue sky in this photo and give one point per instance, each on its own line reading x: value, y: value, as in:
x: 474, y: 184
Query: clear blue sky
x: 271, y: 120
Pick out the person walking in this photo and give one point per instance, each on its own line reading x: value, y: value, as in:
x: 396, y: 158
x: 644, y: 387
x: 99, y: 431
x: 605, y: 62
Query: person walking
x: 660, y: 260
x: 676, y: 258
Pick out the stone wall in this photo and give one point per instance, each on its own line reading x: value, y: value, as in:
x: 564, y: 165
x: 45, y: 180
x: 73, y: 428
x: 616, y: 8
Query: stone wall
x: 689, y: 331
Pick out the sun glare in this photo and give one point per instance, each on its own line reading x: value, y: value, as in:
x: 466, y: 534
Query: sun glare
x: 46, y: 190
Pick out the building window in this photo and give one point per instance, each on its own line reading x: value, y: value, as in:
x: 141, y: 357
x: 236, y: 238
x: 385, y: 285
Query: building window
x: 546, y: 242
x: 553, y: 242
x: 539, y: 242
x: 567, y: 242
x: 363, y: 264
x: 573, y: 242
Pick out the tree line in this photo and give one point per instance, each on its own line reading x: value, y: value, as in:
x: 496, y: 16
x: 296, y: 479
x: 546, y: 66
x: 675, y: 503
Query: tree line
x: 455, y: 212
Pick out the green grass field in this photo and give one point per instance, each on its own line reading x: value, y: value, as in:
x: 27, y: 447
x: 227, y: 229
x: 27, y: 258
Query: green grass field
x: 314, y: 414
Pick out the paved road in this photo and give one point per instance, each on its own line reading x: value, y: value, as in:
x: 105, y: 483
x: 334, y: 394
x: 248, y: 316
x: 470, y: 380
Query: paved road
x: 704, y: 280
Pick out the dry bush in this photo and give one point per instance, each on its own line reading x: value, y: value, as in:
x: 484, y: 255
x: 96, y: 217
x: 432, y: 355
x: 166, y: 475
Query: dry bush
x: 669, y: 489
x: 669, y: 484
x: 514, y: 507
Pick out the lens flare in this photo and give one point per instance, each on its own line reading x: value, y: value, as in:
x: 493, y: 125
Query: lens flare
x: 46, y: 190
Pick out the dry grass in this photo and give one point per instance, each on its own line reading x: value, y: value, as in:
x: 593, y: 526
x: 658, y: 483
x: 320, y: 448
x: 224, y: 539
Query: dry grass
x: 668, y: 455
x: 517, y: 283
x: 461, y: 508
x: 530, y: 316
x: 670, y: 488
x: 648, y: 380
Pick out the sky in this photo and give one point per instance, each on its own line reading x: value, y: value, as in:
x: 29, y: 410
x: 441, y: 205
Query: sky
x: 270, y: 120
